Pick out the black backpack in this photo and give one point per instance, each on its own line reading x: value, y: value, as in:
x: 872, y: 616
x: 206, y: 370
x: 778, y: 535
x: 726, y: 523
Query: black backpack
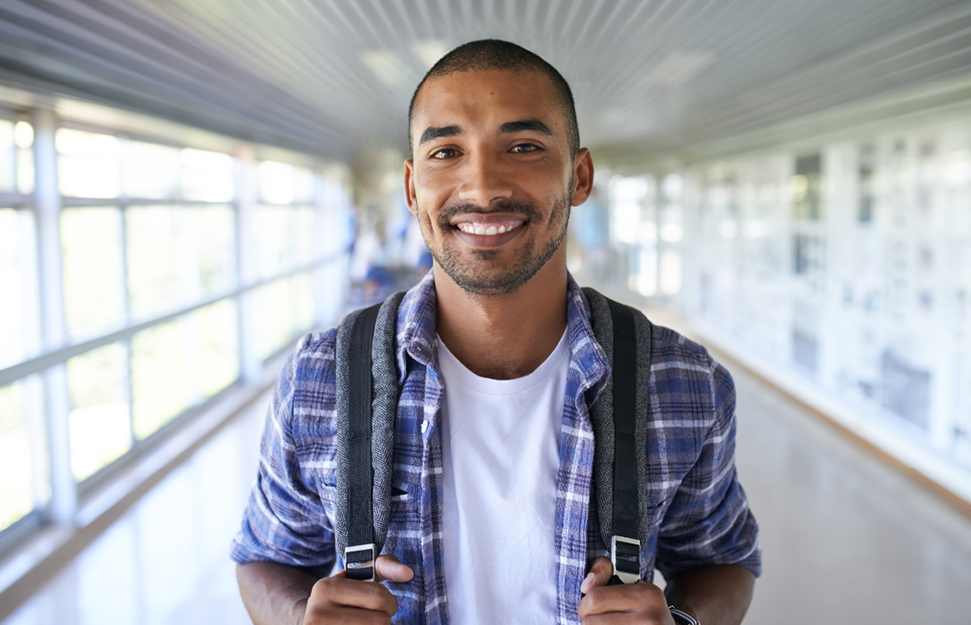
x: 367, y: 400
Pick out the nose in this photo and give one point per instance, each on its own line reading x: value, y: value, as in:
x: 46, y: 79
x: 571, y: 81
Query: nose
x: 484, y: 180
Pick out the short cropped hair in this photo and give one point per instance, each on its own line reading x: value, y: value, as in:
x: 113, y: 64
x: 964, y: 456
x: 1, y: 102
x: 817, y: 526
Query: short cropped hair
x: 495, y: 54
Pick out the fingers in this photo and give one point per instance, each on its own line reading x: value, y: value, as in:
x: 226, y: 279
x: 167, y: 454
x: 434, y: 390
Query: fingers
x: 388, y: 568
x: 600, y: 573
x: 337, y: 599
x: 624, y: 603
x: 338, y: 591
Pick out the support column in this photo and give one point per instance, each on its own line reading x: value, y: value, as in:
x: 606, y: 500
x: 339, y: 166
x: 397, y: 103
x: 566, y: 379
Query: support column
x: 47, y: 202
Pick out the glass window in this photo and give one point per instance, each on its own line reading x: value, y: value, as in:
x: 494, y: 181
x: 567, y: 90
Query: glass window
x: 328, y: 289
x: 176, y: 255
x: 218, y: 362
x: 24, y: 463
x: 626, y: 197
x: 303, y: 185
x: 277, y: 182
x: 643, y: 276
x: 303, y: 304
x: 23, y: 136
x: 93, y: 282
x: 100, y: 420
x: 307, y: 244
x: 275, y: 233
x: 151, y: 171
x: 160, y: 388
x: 156, y: 254
x: 88, y: 165
x: 8, y: 156
x: 216, y: 241
x: 16, y: 157
x: 669, y: 277
x: 19, y: 315
x: 206, y: 176
x: 273, y: 305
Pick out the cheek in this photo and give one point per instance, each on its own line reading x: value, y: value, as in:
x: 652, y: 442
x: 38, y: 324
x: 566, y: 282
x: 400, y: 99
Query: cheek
x: 424, y: 220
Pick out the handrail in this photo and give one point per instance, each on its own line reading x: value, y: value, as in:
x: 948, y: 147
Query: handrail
x: 17, y: 201
x: 43, y: 361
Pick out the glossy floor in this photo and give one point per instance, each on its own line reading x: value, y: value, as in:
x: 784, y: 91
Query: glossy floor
x: 846, y: 540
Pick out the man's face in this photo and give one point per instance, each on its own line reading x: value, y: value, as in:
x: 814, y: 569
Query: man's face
x: 492, y: 179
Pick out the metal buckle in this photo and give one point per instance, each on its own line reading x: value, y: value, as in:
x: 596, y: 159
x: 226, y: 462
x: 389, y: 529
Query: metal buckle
x: 628, y: 567
x: 358, y: 567
x: 682, y: 617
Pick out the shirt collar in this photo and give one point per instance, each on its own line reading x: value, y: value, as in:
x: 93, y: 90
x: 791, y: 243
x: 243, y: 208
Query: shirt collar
x: 417, y: 314
x: 416, y: 334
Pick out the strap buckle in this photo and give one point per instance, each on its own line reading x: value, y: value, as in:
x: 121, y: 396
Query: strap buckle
x: 359, y: 562
x: 683, y: 618
x: 625, y: 556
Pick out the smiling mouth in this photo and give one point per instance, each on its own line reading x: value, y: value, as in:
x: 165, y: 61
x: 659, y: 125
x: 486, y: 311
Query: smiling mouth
x: 489, y: 229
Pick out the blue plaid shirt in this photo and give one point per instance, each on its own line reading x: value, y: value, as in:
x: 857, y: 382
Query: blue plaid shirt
x: 702, y: 512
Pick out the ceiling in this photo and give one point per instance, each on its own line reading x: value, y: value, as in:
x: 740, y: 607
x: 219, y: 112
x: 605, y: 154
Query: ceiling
x: 334, y: 77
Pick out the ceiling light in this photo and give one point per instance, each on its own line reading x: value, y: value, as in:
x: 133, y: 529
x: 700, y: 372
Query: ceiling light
x: 430, y: 51
x: 386, y: 66
x: 678, y: 68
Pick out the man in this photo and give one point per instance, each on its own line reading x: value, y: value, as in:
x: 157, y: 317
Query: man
x: 498, y: 369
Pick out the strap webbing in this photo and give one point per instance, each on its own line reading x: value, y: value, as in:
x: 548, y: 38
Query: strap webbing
x: 360, y: 531
x: 626, y: 517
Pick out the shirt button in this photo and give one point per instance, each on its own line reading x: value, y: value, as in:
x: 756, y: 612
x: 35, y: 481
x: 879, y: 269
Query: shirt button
x: 424, y: 426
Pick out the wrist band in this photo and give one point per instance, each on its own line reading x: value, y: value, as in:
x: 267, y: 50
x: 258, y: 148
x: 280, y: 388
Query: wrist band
x: 683, y: 617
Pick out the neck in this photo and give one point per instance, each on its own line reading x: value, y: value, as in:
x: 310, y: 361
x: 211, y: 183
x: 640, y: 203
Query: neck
x: 504, y: 336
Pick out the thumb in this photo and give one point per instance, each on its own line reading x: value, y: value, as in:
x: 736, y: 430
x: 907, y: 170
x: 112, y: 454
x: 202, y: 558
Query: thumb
x: 600, y: 573
x: 388, y: 568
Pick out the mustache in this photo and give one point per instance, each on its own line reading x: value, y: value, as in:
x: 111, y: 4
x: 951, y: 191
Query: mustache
x: 526, y: 209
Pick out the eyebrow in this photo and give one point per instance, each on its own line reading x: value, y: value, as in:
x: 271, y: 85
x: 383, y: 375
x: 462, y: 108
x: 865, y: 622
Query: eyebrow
x: 534, y: 125
x: 436, y: 132
x: 525, y: 125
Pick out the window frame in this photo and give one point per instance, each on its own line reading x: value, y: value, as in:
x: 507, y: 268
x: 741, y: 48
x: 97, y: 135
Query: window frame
x: 50, y: 363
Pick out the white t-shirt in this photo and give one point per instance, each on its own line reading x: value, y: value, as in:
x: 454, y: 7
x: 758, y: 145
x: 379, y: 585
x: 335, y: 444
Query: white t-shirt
x: 501, y: 446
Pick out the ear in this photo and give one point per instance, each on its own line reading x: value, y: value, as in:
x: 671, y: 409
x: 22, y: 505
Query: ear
x: 410, y: 186
x: 582, y: 177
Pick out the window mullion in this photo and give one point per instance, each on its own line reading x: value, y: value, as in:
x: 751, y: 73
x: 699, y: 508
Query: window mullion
x: 250, y: 366
x: 47, y: 202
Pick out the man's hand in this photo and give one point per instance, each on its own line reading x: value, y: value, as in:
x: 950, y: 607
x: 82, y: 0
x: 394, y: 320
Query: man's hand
x: 624, y: 603
x: 340, y: 600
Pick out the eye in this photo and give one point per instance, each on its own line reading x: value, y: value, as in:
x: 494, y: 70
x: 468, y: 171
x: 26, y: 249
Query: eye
x: 523, y: 148
x: 444, y: 153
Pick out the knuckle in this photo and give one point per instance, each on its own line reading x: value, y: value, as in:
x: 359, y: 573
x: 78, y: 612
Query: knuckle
x: 595, y: 599
x: 323, y: 587
x: 650, y: 596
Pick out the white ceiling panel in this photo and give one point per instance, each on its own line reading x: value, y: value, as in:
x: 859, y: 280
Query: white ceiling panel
x: 330, y: 76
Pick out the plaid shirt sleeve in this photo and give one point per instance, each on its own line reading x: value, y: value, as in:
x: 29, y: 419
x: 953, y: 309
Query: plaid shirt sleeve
x: 289, y: 515
x: 707, y: 520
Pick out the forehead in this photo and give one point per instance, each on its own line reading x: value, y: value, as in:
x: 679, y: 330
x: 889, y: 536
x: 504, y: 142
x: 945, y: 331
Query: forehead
x: 487, y: 97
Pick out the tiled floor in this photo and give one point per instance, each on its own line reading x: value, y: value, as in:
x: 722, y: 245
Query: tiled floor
x: 165, y: 562
x: 846, y: 539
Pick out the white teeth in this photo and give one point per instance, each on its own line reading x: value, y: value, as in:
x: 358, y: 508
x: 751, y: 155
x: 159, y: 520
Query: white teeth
x: 480, y: 229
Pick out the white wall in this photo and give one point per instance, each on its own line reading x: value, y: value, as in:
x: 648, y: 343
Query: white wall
x: 859, y: 300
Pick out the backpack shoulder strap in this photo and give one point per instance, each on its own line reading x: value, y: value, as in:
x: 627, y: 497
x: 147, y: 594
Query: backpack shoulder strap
x: 367, y: 399
x: 620, y: 418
